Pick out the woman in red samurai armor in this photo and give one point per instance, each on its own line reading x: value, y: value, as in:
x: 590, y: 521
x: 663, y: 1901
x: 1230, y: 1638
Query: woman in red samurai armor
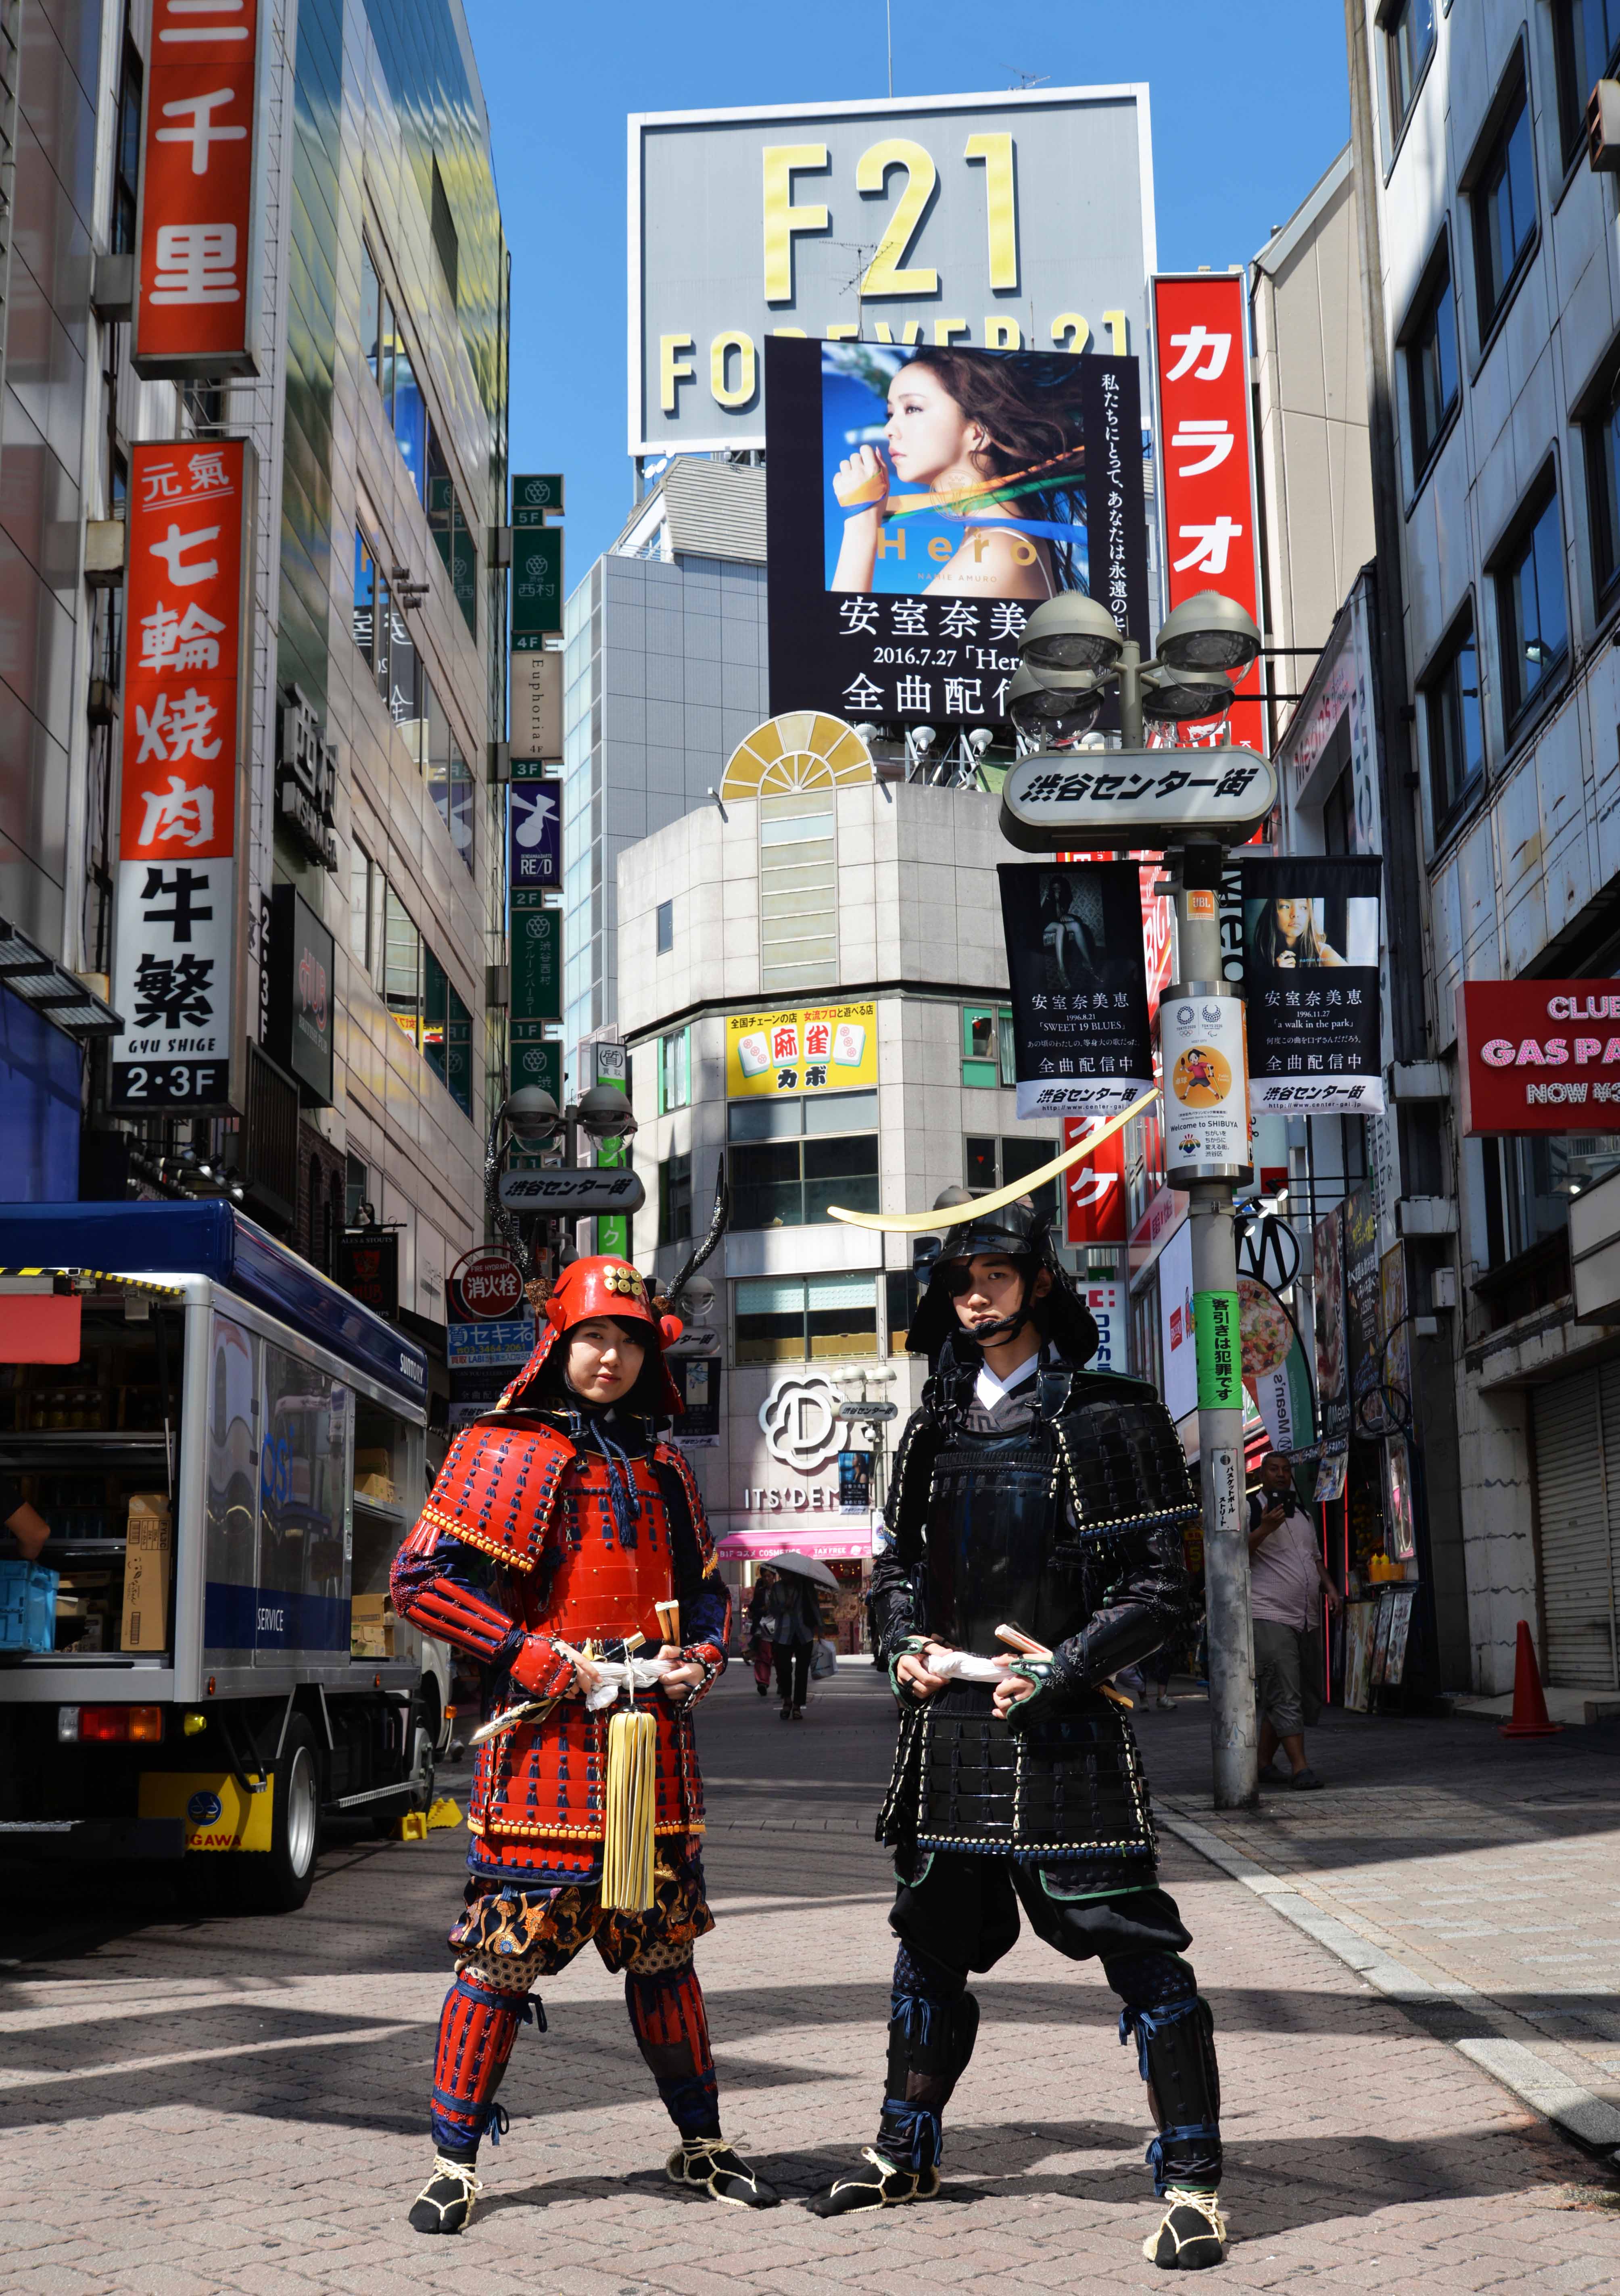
x: 559, y: 1521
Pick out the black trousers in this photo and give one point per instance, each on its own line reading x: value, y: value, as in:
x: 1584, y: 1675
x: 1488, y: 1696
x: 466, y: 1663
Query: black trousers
x: 961, y: 1914
x: 792, y: 1671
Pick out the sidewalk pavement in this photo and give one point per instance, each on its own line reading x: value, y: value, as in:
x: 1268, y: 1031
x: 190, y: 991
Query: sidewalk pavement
x: 1475, y: 1878
x: 238, y: 2109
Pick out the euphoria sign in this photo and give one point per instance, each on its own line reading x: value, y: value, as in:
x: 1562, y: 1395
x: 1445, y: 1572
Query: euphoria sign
x: 1121, y: 799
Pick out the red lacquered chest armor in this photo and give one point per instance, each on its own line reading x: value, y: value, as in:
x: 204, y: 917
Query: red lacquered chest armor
x: 605, y: 1588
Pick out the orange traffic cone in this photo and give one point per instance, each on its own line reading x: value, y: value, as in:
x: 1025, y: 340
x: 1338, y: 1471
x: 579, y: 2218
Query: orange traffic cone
x: 1530, y: 1716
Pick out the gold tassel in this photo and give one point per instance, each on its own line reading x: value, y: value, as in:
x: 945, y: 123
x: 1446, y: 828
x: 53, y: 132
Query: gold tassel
x: 627, y: 1843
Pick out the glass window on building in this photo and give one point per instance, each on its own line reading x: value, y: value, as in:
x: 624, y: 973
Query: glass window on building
x: 408, y: 688
x: 666, y: 927
x: 991, y: 1162
x: 1454, y: 727
x: 389, y: 346
x: 675, y: 1070
x: 903, y: 1289
x: 799, y: 901
x: 1586, y: 43
x: 1430, y: 346
x: 367, y: 890
x: 362, y: 620
x: 1603, y: 488
x: 674, y: 1199
x: 1532, y: 1179
x: 791, y: 1158
x: 806, y: 1319
x: 357, y: 1189
x: 410, y: 418
x: 371, y: 312
x: 446, y: 1036
x: 1532, y: 620
x: 126, y: 155
x: 401, y: 966
x: 1503, y: 203
x: 1409, y: 42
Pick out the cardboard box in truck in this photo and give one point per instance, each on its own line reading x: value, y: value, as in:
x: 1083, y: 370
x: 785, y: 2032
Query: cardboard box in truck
x: 149, y: 1550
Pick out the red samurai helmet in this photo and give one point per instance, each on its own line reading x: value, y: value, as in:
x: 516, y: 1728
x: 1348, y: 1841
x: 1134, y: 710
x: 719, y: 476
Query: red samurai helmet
x: 604, y: 1286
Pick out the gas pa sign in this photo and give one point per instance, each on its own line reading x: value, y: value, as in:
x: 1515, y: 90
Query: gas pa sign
x: 1539, y: 1055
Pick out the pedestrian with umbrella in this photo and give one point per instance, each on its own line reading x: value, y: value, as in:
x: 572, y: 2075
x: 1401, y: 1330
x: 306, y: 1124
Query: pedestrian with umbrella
x: 762, y: 1628
x: 798, y: 1622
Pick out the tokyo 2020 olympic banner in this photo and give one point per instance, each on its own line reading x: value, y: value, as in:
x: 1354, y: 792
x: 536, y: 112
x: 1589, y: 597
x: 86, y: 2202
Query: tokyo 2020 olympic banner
x: 921, y: 502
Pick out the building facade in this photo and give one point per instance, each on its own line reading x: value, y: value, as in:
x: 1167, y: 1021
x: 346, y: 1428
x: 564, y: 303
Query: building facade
x: 1493, y: 301
x: 377, y: 613
x: 664, y: 672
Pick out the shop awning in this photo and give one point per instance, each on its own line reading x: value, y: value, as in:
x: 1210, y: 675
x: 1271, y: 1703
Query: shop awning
x: 50, y: 989
x: 849, y: 1540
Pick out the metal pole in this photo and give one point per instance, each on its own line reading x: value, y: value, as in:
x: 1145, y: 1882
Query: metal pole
x: 571, y: 1149
x: 1131, y: 733
x: 1233, y: 1747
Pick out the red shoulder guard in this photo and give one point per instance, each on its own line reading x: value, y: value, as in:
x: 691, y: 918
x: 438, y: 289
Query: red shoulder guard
x: 497, y: 1488
x: 670, y: 1454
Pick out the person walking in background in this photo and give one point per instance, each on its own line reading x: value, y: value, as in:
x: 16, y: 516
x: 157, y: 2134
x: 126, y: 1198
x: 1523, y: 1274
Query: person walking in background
x: 1287, y: 1579
x: 798, y: 1624
x: 762, y: 1628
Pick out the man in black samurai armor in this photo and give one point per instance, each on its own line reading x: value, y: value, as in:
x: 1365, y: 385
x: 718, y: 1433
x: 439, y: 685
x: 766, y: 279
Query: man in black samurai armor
x: 1030, y: 1493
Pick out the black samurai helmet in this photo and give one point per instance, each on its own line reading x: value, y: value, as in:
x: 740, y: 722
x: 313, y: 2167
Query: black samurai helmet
x: 1015, y: 1232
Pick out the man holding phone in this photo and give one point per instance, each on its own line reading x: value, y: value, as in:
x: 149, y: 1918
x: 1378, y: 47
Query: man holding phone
x: 1287, y: 1580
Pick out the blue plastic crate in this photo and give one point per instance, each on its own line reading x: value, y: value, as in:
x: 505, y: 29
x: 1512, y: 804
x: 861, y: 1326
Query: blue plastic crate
x: 28, y: 1607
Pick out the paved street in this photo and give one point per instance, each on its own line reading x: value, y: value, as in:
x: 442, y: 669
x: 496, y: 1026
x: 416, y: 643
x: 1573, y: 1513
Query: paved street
x: 191, y: 2108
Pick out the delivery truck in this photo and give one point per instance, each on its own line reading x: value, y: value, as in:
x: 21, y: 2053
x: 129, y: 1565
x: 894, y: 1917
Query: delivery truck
x: 200, y: 1664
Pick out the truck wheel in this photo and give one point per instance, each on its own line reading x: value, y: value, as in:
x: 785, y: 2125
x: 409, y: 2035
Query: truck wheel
x: 430, y: 1717
x: 278, y: 1881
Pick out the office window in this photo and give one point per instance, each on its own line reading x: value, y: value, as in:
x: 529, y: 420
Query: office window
x: 371, y: 313
x: 126, y: 157
x: 1585, y: 35
x: 366, y: 886
x: 798, y: 1319
x: 1532, y: 618
x: 1603, y: 487
x: 791, y: 1158
x: 903, y: 1290
x: 674, y: 1199
x: 798, y: 902
x: 675, y: 1070
x: 1409, y: 41
x: 1431, y: 366
x: 446, y: 246
x: 1456, y: 736
x: 446, y: 1036
x: 1503, y: 202
x: 666, y: 925
x: 401, y: 966
x: 989, y: 1162
x: 450, y: 783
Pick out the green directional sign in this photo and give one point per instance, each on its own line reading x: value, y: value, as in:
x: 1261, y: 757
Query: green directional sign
x: 536, y: 957
x: 533, y: 497
x: 536, y: 586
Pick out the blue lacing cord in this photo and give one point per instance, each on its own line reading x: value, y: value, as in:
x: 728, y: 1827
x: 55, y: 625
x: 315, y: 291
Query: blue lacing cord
x: 497, y: 2120
x: 1144, y: 2023
x: 921, y: 2131
x: 621, y: 1486
x: 1203, y: 2133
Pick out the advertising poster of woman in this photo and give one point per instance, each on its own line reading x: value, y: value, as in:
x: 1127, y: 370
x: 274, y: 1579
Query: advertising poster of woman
x: 922, y: 499
x: 1311, y: 980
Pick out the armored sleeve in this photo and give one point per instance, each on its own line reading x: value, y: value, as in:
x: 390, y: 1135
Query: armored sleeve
x: 442, y: 1587
x: 1134, y: 1460
x: 894, y: 1601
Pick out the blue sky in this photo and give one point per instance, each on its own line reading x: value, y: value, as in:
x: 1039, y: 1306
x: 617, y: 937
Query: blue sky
x: 1249, y: 104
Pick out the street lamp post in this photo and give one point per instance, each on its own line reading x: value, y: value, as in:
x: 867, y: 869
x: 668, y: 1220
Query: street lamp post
x: 601, y: 1114
x: 1072, y: 652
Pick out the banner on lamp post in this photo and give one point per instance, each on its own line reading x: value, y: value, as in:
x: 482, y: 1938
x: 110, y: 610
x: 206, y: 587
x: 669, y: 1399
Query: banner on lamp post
x: 1078, y: 985
x: 1311, y: 984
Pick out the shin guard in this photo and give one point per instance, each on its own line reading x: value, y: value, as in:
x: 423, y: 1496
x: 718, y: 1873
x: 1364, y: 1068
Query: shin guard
x: 933, y: 2022
x: 1174, y: 2030
x: 477, y: 2028
x: 671, y: 2029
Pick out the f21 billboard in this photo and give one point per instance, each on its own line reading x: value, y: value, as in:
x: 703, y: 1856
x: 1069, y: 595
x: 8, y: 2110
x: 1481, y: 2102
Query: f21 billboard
x: 920, y: 503
x: 1008, y: 221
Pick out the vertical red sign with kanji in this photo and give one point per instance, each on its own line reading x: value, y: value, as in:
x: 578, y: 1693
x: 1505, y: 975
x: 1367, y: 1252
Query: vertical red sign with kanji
x: 1094, y: 1192
x: 195, y: 305
x: 1202, y: 444
x: 176, y: 960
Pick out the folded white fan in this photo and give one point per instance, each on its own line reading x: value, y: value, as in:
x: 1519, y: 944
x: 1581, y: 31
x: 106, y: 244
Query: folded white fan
x: 617, y: 1674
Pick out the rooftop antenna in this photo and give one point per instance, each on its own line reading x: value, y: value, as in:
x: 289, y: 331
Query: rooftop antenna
x: 1021, y: 78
